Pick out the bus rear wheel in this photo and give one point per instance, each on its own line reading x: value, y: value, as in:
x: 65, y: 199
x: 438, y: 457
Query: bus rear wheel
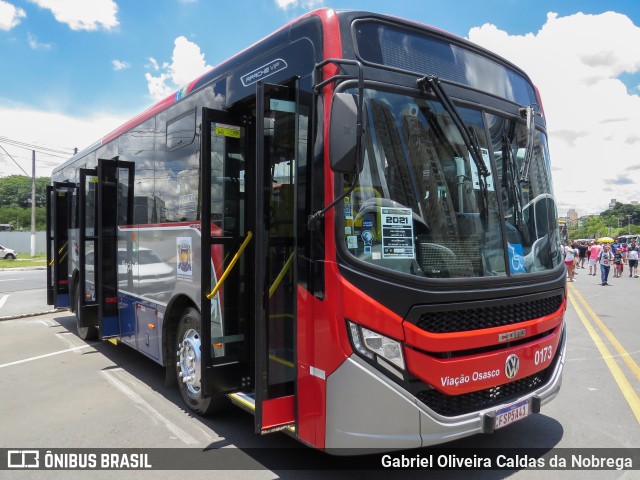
x: 189, y: 366
x: 85, y: 333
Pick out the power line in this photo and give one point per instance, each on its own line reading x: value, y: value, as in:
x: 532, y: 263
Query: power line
x: 14, y: 161
x: 32, y: 146
x: 44, y: 150
x: 40, y: 159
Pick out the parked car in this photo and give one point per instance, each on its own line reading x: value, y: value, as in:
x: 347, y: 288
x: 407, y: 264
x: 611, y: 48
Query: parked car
x: 7, y: 253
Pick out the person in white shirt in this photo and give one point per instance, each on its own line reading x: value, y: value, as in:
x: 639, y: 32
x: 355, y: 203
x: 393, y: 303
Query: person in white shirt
x: 570, y: 254
x: 606, y: 260
x: 632, y: 258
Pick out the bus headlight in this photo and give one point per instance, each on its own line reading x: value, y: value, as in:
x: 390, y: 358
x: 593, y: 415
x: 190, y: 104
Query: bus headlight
x: 376, y: 346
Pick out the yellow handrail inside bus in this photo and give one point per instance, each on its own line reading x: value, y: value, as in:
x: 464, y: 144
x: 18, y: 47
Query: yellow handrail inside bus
x: 59, y: 252
x: 281, y: 275
x: 227, y: 271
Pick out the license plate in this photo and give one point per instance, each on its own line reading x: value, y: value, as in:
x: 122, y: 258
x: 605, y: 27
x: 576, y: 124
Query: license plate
x: 512, y: 413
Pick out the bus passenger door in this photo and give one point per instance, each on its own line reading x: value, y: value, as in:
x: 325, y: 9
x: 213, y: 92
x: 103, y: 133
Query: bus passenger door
x: 226, y: 254
x: 248, y: 217
x: 106, y: 202
x: 275, y: 261
x: 115, y: 209
x: 59, y: 216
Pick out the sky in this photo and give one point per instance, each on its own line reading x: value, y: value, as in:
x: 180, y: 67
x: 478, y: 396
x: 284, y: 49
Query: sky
x: 71, y: 71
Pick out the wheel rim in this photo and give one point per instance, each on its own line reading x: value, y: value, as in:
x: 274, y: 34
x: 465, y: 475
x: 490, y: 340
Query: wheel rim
x: 189, y: 361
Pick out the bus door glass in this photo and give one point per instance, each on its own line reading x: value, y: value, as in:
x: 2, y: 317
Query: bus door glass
x: 86, y: 305
x: 105, y: 203
x: 59, y: 201
x: 226, y: 293
x: 115, y: 209
x: 277, y: 133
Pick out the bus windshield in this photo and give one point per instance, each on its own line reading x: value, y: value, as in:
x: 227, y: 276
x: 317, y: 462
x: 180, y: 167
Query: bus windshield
x: 422, y: 208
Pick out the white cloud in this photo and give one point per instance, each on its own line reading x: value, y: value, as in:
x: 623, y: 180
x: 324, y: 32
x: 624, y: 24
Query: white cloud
x: 83, y: 14
x: 10, y: 15
x: 592, y: 119
x: 119, y: 65
x: 187, y: 64
x: 35, y: 44
x: 61, y: 132
x: 153, y: 64
x: 305, y: 4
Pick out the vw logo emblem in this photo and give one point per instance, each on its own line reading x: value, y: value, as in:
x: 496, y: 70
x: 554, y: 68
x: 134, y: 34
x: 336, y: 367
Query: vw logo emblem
x: 511, y: 366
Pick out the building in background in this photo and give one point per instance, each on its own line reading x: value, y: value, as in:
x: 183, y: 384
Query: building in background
x: 572, y: 217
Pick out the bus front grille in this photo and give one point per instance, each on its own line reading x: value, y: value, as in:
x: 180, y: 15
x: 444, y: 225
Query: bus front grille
x: 453, y: 405
x: 462, y: 320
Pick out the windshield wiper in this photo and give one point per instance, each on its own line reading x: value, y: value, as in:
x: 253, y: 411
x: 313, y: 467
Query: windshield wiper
x: 511, y: 179
x: 433, y: 82
x: 529, y: 113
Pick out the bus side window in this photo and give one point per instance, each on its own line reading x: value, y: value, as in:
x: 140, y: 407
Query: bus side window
x: 177, y: 170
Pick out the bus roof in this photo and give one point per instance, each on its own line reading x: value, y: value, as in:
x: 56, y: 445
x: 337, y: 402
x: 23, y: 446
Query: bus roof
x: 327, y: 15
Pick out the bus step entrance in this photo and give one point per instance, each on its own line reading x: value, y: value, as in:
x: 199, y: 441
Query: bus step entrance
x: 246, y: 401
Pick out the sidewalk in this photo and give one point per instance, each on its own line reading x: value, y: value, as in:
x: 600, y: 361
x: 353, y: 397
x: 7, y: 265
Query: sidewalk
x: 19, y: 269
x: 34, y: 314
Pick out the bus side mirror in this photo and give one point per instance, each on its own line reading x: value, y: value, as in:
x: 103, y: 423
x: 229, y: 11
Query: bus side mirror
x: 343, y: 134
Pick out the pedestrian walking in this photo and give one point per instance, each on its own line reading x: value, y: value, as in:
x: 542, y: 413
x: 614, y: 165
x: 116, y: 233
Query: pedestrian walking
x: 570, y: 258
x: 594, y: 254
x: 617, y: 263
x: 582, y: 250
x: 632, y: 253
x: 605, y: 259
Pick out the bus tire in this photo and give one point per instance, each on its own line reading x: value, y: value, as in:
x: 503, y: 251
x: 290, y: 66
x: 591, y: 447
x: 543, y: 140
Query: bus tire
x: 189, y: 366
x: 85, y: 333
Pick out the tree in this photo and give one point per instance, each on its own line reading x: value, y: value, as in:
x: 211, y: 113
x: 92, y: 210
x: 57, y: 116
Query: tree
x: 15, y: 190
x: 15, y: 201
x: 596, y: 226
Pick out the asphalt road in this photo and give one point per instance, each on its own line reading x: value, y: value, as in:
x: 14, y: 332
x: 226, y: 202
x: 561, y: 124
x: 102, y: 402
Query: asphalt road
x: 61, y: 392
x: 23, y: 292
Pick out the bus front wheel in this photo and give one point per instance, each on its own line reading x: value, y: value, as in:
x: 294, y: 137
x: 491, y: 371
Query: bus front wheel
x: 189, y: 366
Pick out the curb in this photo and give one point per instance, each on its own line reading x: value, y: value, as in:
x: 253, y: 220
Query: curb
x: 21, y: 269
x: 26, y: 315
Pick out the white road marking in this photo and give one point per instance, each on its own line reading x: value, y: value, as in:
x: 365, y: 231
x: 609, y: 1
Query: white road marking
x: 3, y: 300
x: 49, y: 322
x: 17, y: 362
x: 143, y: 405
x: 71, y: 340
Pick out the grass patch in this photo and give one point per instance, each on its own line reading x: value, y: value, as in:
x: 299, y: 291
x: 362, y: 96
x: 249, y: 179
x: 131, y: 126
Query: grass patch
x: 24, y: 260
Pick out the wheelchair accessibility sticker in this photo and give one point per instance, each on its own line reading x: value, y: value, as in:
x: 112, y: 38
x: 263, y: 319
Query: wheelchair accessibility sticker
x: 516, y: 258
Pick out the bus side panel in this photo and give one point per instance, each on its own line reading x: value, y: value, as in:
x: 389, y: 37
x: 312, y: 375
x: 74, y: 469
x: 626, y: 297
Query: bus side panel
x: 318, y: 344
x: 323, y: 346
x: 311, y: 388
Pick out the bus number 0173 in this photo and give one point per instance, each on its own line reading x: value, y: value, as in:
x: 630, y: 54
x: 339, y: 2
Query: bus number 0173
x: 543, y: 355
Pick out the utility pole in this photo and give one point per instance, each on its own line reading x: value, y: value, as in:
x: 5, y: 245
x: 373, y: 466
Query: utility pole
x: 33, y: 203
x: 629, y: 219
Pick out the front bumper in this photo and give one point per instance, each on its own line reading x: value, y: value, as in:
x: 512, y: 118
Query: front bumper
x: 369, y: 412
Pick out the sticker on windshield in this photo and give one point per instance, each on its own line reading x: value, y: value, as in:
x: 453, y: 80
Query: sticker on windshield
x: 397, y: 233
x: 516, y: 258
x: 475, y: 178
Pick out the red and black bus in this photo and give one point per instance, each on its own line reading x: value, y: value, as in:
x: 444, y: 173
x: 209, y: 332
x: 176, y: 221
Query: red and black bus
x: 348, y: 229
